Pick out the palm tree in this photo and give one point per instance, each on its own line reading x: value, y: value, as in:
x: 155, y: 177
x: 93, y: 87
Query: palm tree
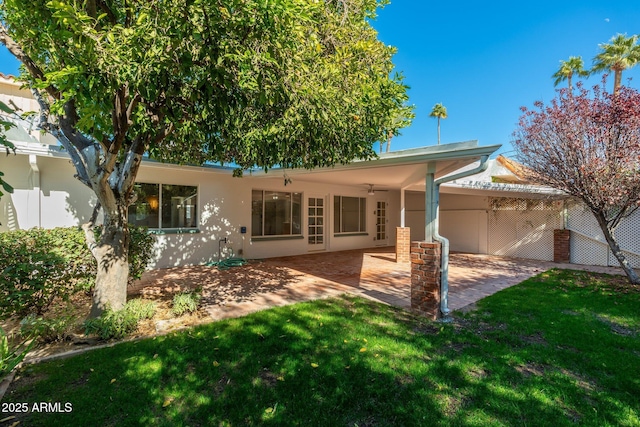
x: 620, y: 53
x: 439, y: 111
x: 574, y: 65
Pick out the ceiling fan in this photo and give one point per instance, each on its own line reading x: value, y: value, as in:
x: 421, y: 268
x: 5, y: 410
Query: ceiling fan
x: 371, y: 191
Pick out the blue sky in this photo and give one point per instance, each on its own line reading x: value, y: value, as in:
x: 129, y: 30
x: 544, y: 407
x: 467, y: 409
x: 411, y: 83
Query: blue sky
x: 484, y: 60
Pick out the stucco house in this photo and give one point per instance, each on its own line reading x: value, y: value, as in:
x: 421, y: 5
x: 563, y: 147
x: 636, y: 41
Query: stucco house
x: 451, y: 195
x: 201, y: 213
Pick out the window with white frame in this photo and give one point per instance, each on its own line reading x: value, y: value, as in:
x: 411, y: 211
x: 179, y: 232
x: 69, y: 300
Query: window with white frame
x: 349, y: 214
x: 164, y: 206
x: 275, y: 213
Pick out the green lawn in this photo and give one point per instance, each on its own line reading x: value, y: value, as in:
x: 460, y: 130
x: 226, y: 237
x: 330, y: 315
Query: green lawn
x: 562, y: 348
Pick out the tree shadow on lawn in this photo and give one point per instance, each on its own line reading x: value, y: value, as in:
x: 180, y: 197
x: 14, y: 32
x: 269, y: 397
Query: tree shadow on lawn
x: 345, y: 361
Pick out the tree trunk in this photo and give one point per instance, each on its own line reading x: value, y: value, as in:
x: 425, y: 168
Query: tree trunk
x: 112, y: 256
x: 438, y: 130
x: 615, y: 249
x: 617, y: 81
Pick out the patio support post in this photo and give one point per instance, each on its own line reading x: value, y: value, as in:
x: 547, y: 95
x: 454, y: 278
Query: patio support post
x: 402, y: 207
x: 431, y: 206
x: 403, y: 234
x: 403, y: 244
x: 438, y: 257
x: 426, y: 257
x: 425, y: 279
x: 444, y: 267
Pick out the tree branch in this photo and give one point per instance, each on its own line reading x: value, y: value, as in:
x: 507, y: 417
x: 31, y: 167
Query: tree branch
x: 91, y: 8
x: 74, y: 152
x: 131, y: 165
x: 17, y: 51
x: 88, y: 227
x: 106, y: 9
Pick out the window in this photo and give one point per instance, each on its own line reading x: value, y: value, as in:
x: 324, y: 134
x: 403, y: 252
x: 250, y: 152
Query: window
x: 274, y: 213
x: 164, y: 206
x: 349, y: 214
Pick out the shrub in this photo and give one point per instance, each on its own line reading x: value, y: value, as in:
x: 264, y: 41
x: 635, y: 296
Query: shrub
x: 119, y: 324
x: 140, y: 251
x: 47, y: 330
x: 141, y: 309
x: 186, y: 302
x: 11, y: 354
x: 37, y: 266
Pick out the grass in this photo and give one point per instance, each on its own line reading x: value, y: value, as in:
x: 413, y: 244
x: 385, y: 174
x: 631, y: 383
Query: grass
x: 562, y: 348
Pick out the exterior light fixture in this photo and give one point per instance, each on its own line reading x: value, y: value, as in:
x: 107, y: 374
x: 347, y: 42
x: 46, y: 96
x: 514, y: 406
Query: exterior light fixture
x: 153, y: 202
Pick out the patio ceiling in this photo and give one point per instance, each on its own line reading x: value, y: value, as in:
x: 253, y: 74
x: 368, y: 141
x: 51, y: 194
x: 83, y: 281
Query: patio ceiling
x: 396, y: 170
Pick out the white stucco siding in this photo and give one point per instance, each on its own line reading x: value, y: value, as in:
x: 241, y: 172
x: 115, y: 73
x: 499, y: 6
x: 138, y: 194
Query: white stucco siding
x: 11, y: 93
x: 47, y: 195
x: 65, y: 200
x: 224, y: 207
x: 14, y: 208
x: 463, y: 220
x: 265, y: 248
x: 217, y: 217
x: 458, y: 202
x: 415, y: 214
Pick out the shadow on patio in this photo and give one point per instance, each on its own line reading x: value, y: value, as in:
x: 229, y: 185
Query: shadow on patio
x: 371, y: 273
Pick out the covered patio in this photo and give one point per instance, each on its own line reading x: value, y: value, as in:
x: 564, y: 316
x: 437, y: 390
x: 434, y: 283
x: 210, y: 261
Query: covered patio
x: 371, y: 273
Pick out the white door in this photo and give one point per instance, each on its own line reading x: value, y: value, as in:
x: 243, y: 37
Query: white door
x: 382, y: 235
x: 317, y: 211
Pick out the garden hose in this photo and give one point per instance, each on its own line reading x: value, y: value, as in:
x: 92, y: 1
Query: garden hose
x: 228, y: 263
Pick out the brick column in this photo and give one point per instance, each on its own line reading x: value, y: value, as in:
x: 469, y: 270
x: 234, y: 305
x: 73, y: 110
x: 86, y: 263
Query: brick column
x: 403, y: 244
x: 425, y: 279
x: 561, y: 245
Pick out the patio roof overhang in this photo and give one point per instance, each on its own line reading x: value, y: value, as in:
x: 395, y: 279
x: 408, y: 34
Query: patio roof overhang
x: 491, y: 189
x: 405, y: 169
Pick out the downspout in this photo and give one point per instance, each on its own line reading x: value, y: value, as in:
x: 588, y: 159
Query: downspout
x: 35, y: 182
x: 444, y: 260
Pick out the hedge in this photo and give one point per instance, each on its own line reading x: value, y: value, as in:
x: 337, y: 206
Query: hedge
x: 39, y: 265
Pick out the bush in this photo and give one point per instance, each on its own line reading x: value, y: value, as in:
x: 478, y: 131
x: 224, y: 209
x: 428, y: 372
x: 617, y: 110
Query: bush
x: 11, y: 354
x: 141, y: 309
x: 119, y: 324
x: 47, y: 330
x: 186, y: 302
x: 37, y: 266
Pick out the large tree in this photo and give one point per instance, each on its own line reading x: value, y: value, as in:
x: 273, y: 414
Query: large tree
x: 295, y: 83
x: 588, y: 145
x: 573, y: 66
x: 619, y: 54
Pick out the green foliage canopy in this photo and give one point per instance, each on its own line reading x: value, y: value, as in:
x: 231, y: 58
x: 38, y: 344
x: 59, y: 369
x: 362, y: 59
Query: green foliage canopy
x: 297, y: 83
